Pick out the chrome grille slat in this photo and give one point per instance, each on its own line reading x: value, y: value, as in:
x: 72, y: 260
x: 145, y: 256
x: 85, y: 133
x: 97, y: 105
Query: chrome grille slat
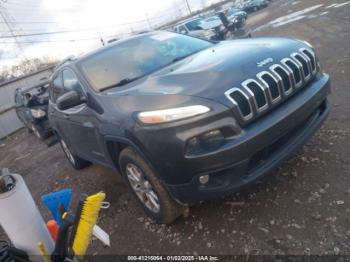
x: 287, y: 89
x: 295, y: 59
x: 285, y: 61
x: 309, y: 66
x: 273, y: 99
x: 273, y: 85
x: 313, y: 63
x: 228, y: 94
x: 254, y: 94
x: 304, y: 61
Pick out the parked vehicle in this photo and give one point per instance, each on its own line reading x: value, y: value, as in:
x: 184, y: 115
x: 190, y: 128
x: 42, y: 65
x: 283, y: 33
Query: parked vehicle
x: 194, y: 27
x: 185, y: 119
x: 234, y: 13
x: 232, y: 29
x: 254, y: 5
x: 31, y: 108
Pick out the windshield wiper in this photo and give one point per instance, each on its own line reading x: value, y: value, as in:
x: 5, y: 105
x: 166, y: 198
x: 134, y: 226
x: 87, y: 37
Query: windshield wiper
x: 121, y: 83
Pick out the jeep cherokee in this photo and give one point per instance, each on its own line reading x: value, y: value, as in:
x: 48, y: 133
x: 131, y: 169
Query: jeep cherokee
x: 184, y: 119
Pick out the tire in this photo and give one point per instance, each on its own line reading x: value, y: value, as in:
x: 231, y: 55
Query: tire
x: 157, y: 202
x: 77, y: 162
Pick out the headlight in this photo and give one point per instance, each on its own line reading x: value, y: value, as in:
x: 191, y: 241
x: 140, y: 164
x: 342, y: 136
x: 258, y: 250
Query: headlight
x: 37, y: 113
x: 173, y: 114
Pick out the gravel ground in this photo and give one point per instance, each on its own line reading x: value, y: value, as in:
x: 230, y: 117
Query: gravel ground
x: 301, y: 208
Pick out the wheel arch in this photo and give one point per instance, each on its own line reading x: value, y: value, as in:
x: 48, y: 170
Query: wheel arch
x: 114, y: 145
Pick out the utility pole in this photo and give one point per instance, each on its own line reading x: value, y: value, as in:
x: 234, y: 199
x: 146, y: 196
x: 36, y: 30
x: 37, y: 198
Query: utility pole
x: 5, y: 18
x: 148, y: 21
x: 188, y: 6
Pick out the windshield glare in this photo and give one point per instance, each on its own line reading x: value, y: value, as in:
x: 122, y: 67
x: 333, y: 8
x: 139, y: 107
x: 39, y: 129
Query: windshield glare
x: 138, y: 57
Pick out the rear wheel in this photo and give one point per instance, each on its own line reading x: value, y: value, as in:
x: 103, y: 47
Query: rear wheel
x: 74, y: 160
x: 148, y: 189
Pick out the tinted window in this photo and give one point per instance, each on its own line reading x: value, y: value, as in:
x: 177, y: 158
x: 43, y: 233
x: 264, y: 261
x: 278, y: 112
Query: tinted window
x: 137, y: 57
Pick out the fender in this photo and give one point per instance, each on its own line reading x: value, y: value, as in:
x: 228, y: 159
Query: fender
x: 123, y: 140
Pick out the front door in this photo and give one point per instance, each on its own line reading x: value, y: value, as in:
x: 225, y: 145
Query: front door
x: 79, y: 125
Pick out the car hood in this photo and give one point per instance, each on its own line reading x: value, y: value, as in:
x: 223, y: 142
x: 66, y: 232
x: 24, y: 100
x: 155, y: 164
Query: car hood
x: 211, y: 72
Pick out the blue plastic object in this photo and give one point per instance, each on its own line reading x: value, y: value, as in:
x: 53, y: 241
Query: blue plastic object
x: 55, y: 199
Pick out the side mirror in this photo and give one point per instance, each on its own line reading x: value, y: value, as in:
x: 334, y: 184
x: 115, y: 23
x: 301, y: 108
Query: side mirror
x: 183, y: 32
x: 69, y: 100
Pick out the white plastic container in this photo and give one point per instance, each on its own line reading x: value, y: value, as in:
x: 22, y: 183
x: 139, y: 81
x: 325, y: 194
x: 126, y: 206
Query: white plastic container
x: 22, y: 222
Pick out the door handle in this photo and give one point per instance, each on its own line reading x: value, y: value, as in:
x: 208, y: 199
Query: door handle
x: 66, y: 116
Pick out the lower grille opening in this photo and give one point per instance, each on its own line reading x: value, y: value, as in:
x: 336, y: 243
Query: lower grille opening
x: 258, y: 94
x: 242, y: 102
x: 260, y: 157
x: 272, y: 85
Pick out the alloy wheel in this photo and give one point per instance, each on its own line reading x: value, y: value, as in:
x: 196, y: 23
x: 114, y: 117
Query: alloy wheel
x: 142, y: 188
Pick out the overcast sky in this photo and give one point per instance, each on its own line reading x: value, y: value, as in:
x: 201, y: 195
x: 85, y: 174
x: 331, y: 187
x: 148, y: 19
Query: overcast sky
x: 89, y: 19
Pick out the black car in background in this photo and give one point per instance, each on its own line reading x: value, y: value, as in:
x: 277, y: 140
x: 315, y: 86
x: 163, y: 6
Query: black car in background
x: 184, y: 119
x: 233, y: 13
x: 254, y: 5
x: 31, y: 107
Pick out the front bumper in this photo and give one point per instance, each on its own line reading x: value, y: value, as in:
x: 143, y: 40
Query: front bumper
x: 262, y: 147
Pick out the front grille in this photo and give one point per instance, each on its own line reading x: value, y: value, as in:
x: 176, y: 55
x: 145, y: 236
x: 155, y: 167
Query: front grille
x: 274, y: 85
x: 284, y: 75
x: 301, y: 59
x: 311, y: 57
x: 257, y: 92
x: 240, y: 100
x: 295, y: 70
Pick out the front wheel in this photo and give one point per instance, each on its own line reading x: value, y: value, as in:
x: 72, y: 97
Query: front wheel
x: 74, y: 160
x: 148, y: 189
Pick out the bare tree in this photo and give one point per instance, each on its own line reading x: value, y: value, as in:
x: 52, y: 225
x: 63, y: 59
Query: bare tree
x: 26, y: 67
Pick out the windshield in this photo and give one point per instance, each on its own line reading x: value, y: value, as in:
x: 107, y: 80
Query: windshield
x: 233, y: 11
x: 194, y: 25
x: 213, y: 18
x: 137, y: 57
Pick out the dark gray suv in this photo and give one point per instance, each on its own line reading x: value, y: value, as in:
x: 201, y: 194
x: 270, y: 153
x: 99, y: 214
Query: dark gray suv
x: 184, y: 119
